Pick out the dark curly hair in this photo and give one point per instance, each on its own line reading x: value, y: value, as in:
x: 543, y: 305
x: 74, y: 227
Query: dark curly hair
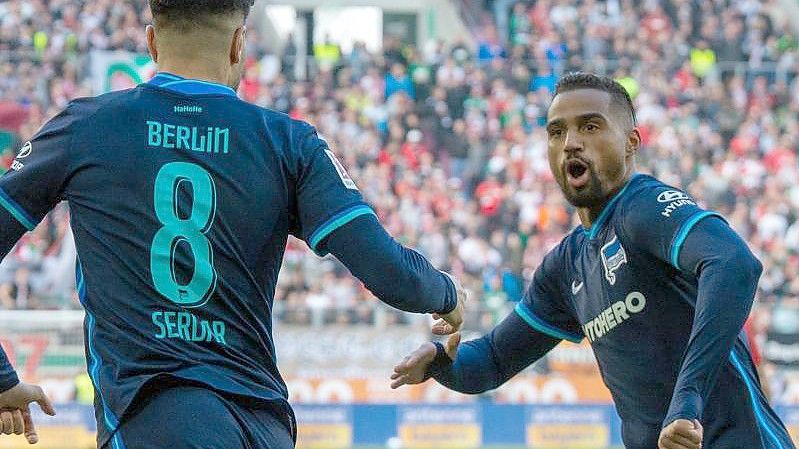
x: 191, y: 13
x: 582, y: 80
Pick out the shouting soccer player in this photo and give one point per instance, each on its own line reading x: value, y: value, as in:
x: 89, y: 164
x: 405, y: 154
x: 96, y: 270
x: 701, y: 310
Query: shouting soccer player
x: 658, y: 286
x: 181, y: 199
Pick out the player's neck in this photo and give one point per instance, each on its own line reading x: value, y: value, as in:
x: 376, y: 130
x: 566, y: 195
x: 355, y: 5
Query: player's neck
x: 195, y: 71
x: 589, y: 215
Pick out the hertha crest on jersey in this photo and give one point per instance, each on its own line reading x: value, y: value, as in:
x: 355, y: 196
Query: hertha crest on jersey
x: 613, y: 257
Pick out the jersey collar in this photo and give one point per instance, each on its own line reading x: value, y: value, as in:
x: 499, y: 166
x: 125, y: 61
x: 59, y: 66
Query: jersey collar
x: 189, y: 86
x: 596, y: 226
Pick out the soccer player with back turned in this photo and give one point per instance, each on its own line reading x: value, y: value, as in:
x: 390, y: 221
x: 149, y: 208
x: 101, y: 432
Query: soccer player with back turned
x: 182, y: 197
x: 658, y: 286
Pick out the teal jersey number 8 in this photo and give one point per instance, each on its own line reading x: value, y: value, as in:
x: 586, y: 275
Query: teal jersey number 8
x: 191, y: 231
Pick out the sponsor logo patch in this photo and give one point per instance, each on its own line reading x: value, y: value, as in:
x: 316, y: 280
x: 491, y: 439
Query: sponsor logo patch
x: 342, y: 172
x: 617, y: 313
x: 675, y: 199
x: 25, y: 151
x: 672, y: 195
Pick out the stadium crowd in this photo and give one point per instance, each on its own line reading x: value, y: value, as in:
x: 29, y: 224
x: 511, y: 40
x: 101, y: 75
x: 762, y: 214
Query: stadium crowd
x: 446, y: 141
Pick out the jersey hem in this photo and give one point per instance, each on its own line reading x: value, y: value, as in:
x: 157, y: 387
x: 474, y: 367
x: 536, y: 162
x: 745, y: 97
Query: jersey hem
x: 542, y: 326
x: 756, y: 406
x: 110, y: 419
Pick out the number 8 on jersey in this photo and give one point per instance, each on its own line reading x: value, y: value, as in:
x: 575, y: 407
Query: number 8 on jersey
x: 177, y: 230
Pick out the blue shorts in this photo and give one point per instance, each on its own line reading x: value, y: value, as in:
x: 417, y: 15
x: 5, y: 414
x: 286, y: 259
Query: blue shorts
x: 191, y: 417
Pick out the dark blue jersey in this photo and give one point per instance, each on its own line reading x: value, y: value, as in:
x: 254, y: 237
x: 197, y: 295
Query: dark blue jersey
x: 181, y: 199
x: 631, y: 287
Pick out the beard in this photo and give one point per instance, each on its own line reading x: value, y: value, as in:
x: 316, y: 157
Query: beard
x: 588, y: 196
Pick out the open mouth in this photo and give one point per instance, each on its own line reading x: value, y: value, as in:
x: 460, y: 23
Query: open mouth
x: 577, y: 173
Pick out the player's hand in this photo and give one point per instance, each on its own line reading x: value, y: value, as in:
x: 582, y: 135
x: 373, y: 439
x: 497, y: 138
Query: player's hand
x: 450, y: 323
x: 11, y: 422
x: 15, y: 415
x: 681, y: 434
x: 412, y: 368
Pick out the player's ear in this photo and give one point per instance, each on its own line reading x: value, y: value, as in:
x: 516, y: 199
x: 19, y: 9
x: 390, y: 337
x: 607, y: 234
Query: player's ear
x: 237, y: 46
x: 151, y: 44
x: 633, y: 142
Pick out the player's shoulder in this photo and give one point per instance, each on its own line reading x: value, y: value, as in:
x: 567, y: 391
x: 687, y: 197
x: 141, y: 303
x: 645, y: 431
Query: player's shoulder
x: 270, y: 117
x: 298, y: 131
x: 109, y: 99
x: 291, y: 133
x: 562, y: 255
x: 643, y: 185
x: 85, y: 108
x: 276, y: 121
x: 80, y: 110
x: 646, y: 196
x: 107, y: 106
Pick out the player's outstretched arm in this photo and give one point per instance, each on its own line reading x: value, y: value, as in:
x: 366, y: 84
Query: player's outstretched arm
x: 477, y: 365
x: 28, y: 191
x: 398, y: 276
x: 15, y: 417
x: 10, y: 231
x: 427, y: 359
x: 728, y: 274
x: 332, y: 217
x: 33, y: 186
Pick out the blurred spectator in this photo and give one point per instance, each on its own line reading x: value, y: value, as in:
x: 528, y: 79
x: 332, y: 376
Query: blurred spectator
x: 703, y: 59
x: 397, y: 80
x: 545, y: 78
x: 327, y: 54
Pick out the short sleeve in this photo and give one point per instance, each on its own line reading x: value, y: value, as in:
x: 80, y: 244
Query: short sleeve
x: 37, y: 178
x: 543, y: 307
x: 327, y: 197
x: 659, y: 218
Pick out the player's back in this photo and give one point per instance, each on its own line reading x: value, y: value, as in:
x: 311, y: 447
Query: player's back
x: 181, y: 198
